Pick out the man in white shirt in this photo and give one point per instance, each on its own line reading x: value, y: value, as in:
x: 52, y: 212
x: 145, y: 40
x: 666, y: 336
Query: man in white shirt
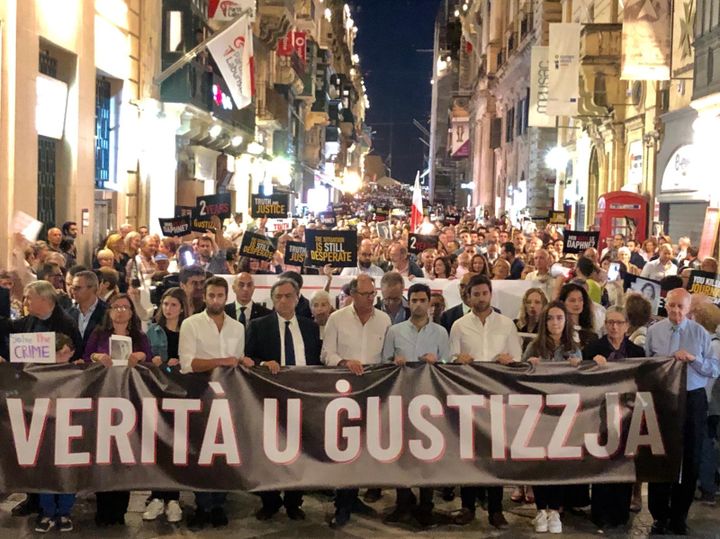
x: 354, y: 337
x: 542, y: 262
x: 211, y: 339
x: 364, y: 264
x: 485, y: 336
x: 662, y: 266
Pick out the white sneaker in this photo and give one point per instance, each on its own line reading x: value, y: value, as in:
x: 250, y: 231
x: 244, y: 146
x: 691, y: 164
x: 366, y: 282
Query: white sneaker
x: 173, y: 512
x: 154, y: 509
x: 541, y: 521
x: 554, y: 522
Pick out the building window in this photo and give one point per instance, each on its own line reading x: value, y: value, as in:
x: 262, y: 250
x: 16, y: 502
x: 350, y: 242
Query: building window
x: 510, y: 125
x: 600, y: 91
x: 102, y: 132
x: 174, y: 31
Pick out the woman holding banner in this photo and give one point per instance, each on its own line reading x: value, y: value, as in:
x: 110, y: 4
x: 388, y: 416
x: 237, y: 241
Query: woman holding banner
x: 120, y: 319
x: 580, y: 313
x: 554, y: 342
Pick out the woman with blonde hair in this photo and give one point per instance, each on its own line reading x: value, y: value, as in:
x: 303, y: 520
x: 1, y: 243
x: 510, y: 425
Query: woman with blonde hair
x: 116, y: 244
x: 533, y: 303
x: 500, y: 269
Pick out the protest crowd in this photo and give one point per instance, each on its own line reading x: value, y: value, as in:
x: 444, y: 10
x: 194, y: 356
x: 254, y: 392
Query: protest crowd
x: 170, y: 299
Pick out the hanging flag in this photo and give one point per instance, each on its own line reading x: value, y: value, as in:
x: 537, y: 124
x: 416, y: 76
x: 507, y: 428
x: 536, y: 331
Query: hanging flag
x: 232, y: 51
x: 416, y: 213
x: 646, y: 40
x: 227, y: 10
x: 564, y: 76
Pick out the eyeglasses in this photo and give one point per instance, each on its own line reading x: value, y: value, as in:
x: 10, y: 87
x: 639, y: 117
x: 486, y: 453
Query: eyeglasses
x: 367, y: 295
x: 120, y: 308
x: 615, y: 322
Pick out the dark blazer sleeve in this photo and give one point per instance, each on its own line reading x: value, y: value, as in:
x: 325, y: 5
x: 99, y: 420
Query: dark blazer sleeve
x: 258, y: 311
x: 262, y: 339
x: 448, y: 318
x: 311, y: 339
x: 230, y: 310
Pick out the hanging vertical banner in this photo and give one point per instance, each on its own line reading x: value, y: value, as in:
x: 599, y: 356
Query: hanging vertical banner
x: 460, y: 137
x: 564, y: 69
x: 539, y: 87
x: 232, y: 51
x: 646, y: 40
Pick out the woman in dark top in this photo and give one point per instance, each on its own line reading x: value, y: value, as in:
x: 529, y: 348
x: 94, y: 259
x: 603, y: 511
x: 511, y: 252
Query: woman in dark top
x: 164, y: 335
x: 120, y: 319
x: 611, y: 501
x: 533, y: 303
x: 579, y: 308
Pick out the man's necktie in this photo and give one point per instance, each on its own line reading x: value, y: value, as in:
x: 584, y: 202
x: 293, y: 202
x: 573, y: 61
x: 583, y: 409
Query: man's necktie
x: 289, y: 346
x: 674, y: 340
x: 242, y: 318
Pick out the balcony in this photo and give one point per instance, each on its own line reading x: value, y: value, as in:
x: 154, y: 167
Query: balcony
x: 276, y: 18
x: 600, y: 55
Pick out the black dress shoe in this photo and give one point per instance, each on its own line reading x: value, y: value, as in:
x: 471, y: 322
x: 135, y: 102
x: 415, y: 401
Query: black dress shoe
x: 266, y: 513
x: 340, y: 520
x: 659, y: 527
x: 464, y: 517
x: 497, y: 520
x: 199, y: 519
x: 27, y: 507
x: 372, y: 495
x: 295, y: 513
x: 678, y: 527
x: 362, y: 509
x: 218, y: 517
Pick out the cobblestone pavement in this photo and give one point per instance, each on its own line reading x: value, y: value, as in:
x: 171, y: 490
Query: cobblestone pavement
x: 704, y: 522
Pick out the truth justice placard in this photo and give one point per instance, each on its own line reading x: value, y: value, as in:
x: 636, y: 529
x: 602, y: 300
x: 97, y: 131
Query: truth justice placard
x: 176, y: 226
x: 703, y: 282
x: 335, y: 247
x: 257, y: 246
x: 295, y: 253
x: 87, y: 429
x: 417, y: 243
x: 214, y: 205
x: 576, y: 241
x: 273, y: 206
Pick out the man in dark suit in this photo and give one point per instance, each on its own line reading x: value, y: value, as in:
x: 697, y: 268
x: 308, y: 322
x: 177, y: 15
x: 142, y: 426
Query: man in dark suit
x: 303, y: 306
x: 283, y: 339
x: 448, y: 318
x: 244, y: 309
x: 89, y: 310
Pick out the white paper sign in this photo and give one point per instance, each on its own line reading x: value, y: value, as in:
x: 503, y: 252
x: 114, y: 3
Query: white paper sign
x: 120, y: 350
x: 26, y: 225
x: 32, y: 347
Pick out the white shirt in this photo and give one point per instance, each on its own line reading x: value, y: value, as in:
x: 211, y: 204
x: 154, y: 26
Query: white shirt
x: 484, y: 342
x: 544, y: 282
x: 200, y: 339
x: 656, y: 271
x: 346, y: 337
x: 84, y: 319
x: 372, y: 271
x: 298, y: 343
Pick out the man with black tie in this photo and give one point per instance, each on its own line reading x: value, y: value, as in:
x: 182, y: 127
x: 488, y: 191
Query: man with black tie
x: 282, y: 339
x: 244, y: 309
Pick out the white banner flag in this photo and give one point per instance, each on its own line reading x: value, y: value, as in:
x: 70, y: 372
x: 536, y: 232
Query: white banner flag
x: 539, y: 87
x: 227, y: 10
x: 646, y: 40
x: 564, y: 76
x: 232, y: 51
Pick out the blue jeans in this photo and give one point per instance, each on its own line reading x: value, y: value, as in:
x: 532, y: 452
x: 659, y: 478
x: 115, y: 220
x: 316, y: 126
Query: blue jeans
x: 210, y: 500
x: 56, y: 505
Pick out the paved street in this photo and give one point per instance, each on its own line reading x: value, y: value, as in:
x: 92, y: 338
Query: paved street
x: 704, y: 521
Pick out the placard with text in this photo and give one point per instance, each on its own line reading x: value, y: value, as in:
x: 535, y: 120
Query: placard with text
x: 274, y: 206
x: 295, y: 253
x: 176, y: 226
x: 210, y: 205
x: 32, y: 347
x: 257, y: 246
x: 335, y: 247
x: 706, y: 283
x: 577, y: 241
x: 201, y: 223
x: 417, y: 243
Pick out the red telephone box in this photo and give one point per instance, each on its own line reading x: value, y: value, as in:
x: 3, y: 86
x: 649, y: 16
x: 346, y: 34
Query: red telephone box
x: 621, y: 212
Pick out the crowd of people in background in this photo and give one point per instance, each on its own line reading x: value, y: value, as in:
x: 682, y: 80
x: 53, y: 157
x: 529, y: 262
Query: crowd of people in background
x: 165, y: 294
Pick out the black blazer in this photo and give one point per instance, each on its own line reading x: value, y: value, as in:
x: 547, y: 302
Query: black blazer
x: 262, y: 339
x: 95, y: 319
x: 603, y: 347
x: 448, y: 318
x: 257, y: 311
x: 59, y: 322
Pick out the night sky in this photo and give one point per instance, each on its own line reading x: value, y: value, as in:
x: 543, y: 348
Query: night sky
x: 397, y: 77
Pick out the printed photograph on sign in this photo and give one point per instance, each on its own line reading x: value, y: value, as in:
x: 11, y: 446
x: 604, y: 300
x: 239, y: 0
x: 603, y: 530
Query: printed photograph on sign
x: 120, y: 350
x: 650, y: 289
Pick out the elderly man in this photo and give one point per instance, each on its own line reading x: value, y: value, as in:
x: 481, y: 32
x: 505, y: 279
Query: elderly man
x: 144, y: 263
x: 662, y: 266
x: 354, y: 337
x: 393, y: 303
x: 364, y: 264
x: 321, y: 309
x: 686, y: 341
x: 541, y: 272
x: 244, y: 309
x: 400, y: 262
x: 54, y: 237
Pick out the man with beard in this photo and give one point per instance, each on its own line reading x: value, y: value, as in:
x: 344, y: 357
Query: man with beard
x: 364, y: 264
x: 211, y: 339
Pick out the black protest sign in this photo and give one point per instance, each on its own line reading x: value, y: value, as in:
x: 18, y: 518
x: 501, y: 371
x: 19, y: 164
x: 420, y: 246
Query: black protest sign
x: 176, y: 226
x: 257, y: 246
x: 704, y: 282
x: 295, y: 253
x: 201, y: 223
x: 210, y: 205
x: 184, y: 210
x: 577, y: 241
x: 335, y: 247
x: 557, y: 218
x: 417, y: 243
x: 273, y: 206
x: 452, y: 219
x: 328, y: 218
x: 381, y: 214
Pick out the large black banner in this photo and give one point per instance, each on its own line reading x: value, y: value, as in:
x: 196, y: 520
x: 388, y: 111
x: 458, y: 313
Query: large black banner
x: 75, y: 429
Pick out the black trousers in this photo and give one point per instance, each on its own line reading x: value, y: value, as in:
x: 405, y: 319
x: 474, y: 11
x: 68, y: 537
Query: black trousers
x: 345, y: 498
x: 112, y: 506
x: 272, y: 499
x: 548, y: 496
x: 165, y: 495
x: 611, y: 503
x: 671, y: 501
x: 406, y: 499
x: 468, y: 495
